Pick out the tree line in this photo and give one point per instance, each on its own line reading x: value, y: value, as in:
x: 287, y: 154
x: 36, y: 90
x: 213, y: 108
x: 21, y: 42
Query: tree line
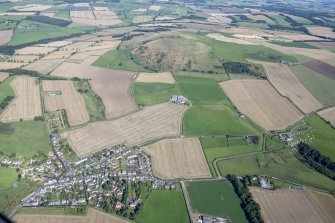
x: 243, y: 68
x: 49, y: 20
x: 316, y: 160
x: 251, y: 209
x: 5, y: 102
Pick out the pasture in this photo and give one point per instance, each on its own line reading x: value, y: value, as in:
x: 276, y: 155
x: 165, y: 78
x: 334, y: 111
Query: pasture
x: 279, y: 164
x: 173, y: 210
x: 289, y: 205
x: 216, y: 198
x: 261, y: 103
x: 150, y: 123
x: 322, y: 87
x: 288, y: 85
x: 6, y: 89
x: 8, y: 177
x: 69, y: 99
x: 153, y: 93
x: 26, y: 138
x: 27, y: 102
x: 211, y: 112
x: 178, y: 159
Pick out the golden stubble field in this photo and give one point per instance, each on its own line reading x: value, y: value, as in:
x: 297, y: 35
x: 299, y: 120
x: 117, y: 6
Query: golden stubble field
x: 289, y: 205
x: 328, y: 114
x: 93, y: 216
x: 113, y: 86
x: 288, y: 85
x: 262, y: 103
x: 152, y: 122
x: 27, y: 101
x: 70, y: 100
x: 181, y: 158
x: 164, y: 77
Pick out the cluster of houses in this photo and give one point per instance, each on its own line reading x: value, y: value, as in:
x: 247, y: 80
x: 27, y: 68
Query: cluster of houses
x: 284, y: 137
x: 178, y: 99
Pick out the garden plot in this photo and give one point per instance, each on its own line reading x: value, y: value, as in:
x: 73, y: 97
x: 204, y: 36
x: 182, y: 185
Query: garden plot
x: 151, y: 123
x: 178, y: 159
x: 262, y: 103
x: 27, y: 102
x: 70, y: 100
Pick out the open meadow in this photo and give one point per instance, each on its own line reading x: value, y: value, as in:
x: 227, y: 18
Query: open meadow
x: 216, y: 198
x: 27, y: 102
x: 289, y: 205
x: 178, y: 159
x: 261, y: 103
x: 69, y: 99
x: 8, y: 176
x: 150, y: 123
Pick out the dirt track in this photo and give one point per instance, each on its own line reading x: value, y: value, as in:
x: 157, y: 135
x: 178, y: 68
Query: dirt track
x: 262, y: 103
x: 288, y: 205
x: 27, y: 101
x: 70, y: 100
x: 288, y: 85
x: 153, y: 122
x: 178, y: 159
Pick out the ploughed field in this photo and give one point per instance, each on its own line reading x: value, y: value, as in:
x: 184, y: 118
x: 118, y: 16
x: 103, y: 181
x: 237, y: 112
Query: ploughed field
x: 152, y: 122
x: 178, y: 158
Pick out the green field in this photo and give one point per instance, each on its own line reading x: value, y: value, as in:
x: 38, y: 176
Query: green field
x: 294, y: 44
x: 211, y: 112
x: 8, y: 176
x: 43, y: 31
x: 25, y: 138
x: 216, y: 198
x: 282, y: 164
x: 119, y: 59
x: 164, y: 207
x: 9, y: 199
x: 153, y: 93
x: 322, y: 87
x: 6, y: 89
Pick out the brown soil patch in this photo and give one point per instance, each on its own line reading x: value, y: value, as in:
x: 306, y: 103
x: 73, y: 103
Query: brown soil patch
x: 5, y: 36
x: 70, y: 100
x: 27, y: 102
x: 289, y: 205
x: 153, y: 122
x: 322, y: 68
x: 112, y: 86
x: 165, y: 77
x: 178, y: 159
x: 329, y: 115
x: 288, y: 85
x: 93, y: 216
x: 262, y: 103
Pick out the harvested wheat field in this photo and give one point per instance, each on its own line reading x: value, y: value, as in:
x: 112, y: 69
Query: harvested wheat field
x: 328, y: 114
x: 58, y: 55
x: 93, y: 216
x: 142, y: 18
x: 288, y: 85
x: 3, y: 76
x: 262, y: 103
x: 153, y: 122
x: 322, y: 68
x: 322, y: 31
x: 34, y: 50
x: 113, y: 86
x: 5, y: 36
x: 70, y: 100
x: 154, y: 8
x: 23, y: 58
x: 164, y: 77
x: 178, y: 159
x: 220, y: 37
x: 10, y: 65
x: 56, y: 44
x: 27, y: 101
x: 44, y: 66
x: 289, y: 205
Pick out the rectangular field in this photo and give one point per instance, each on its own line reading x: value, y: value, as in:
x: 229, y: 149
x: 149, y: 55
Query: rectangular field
x: 261, y: 102
x: 3, y: 76
x: 44, y: 66
x: 70, y: 100
x: 289, y: 206
x: 113, y: 86
x: 93, y: 216
x: 5, y: 36
x: 322, y: 68
x: 178, y: 159
x: 288, y: 85
x: 153, y: 122
x: 27, y: 102
x: 329, y: 115
x: 165, y: 77
x: 322, y: 31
